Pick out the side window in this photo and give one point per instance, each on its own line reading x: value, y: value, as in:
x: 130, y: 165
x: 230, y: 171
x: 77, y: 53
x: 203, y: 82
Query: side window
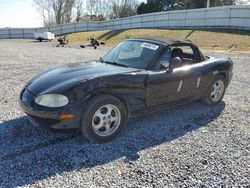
x: 187, y: 50
x: 185, y: 53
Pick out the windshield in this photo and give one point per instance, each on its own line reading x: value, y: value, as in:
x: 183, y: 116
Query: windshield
x: 132, y: 53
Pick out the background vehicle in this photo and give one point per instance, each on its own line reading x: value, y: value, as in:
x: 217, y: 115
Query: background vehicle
x: 44, y: 36
x: 136, y: 76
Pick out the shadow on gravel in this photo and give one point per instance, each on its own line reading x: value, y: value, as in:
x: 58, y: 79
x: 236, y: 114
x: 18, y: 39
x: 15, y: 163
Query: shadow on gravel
x: 29, y: 154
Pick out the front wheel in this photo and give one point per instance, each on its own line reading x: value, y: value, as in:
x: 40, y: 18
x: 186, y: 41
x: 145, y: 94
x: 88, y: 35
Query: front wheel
x: 216, y: 91
x: 103, y: 118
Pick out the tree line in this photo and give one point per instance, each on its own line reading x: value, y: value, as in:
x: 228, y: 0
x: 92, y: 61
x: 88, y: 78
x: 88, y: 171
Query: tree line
x: 168, y: 5
x: 65, y: 11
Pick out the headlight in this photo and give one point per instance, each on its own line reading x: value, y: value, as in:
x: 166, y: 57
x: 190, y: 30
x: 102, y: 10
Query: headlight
x: 52, y: 100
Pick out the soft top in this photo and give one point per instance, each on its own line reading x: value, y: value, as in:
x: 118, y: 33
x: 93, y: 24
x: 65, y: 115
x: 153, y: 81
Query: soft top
x: 166, y: 41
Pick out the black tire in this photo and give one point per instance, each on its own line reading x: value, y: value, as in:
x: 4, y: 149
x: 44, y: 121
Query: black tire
x: 208, y: 99
x: 87, y: 121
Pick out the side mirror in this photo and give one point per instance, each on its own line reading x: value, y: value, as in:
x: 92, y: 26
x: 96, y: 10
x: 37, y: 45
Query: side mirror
x: 176, y: 62
x: 165, y: 64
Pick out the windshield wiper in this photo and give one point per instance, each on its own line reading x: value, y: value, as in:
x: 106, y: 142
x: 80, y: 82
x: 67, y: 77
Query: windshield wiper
x: 112, y: 62
x: 115, y: 63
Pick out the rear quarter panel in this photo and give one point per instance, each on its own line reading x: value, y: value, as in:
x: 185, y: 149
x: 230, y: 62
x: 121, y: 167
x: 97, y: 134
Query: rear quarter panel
x: 213, y: 67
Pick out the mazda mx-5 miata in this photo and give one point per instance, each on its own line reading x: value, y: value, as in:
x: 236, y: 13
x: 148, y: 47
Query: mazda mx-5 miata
x: 136, y: 76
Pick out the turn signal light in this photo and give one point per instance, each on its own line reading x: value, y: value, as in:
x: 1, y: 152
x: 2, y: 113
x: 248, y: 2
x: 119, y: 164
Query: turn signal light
x: 66, y: 116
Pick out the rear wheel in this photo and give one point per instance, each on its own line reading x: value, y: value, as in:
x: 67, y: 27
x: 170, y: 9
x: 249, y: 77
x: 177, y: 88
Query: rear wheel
x: 103, y: 118
x: 216, y: 91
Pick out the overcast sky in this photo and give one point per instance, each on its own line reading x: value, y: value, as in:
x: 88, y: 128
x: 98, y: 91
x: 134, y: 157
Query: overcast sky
x: 19, y: 13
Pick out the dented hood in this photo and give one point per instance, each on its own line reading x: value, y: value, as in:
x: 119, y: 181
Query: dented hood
x: 64, y: 77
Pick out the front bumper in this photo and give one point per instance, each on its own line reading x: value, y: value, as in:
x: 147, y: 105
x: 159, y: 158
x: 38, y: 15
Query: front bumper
x: 48, y: 117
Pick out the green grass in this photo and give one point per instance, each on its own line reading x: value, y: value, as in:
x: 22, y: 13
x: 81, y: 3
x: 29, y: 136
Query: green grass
x: 232, y: 40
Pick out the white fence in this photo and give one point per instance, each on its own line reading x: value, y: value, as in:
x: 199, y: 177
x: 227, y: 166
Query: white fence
x: 228, y: 17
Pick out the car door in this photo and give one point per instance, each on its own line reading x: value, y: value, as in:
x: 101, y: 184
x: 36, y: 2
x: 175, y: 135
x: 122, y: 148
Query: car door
x: 164, y: 87
x: 169, y: 86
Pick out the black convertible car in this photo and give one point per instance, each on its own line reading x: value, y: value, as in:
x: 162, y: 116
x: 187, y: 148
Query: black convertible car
x: 136, y: 76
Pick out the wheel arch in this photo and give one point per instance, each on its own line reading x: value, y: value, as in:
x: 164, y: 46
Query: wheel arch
x: 223, y: 74
x: 212, y: 77
x: 119, y: 96
x: 86, y: 120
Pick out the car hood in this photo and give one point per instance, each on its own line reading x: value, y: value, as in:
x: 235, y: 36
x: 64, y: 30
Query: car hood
x: 61, y: 78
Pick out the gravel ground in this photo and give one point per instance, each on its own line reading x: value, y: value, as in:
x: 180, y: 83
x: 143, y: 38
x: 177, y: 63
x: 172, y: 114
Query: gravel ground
x: 189, y: 146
